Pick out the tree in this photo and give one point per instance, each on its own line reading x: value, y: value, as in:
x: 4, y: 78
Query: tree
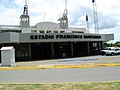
x: 117, y: 44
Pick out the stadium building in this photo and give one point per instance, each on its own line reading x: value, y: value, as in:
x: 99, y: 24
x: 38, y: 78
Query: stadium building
x: 47, y: 40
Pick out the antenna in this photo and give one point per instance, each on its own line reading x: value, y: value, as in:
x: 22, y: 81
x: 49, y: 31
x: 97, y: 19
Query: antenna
x: 25, y: 2
x: 52, y: 17
x: 65, y: 16
x: 66, y: 3
x: 66, y: 11
x: 95, y: 16
x: 44, y: 16
x: 25, y: 12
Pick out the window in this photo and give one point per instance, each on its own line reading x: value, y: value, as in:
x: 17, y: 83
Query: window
x: 116, y: 49
x: 41, y: 32
x: 48, y: 31
x: 17, y: 31
x: 77, y: 32
x: 55, y: 31
x: 33, y: 31
x: 62, y: 31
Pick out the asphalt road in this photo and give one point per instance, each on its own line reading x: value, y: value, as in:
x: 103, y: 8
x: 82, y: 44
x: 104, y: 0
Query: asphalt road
x: 61, y: 75
x: 79, y: 60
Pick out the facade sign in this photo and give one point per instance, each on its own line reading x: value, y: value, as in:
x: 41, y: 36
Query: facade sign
x: 92, y: 37
x: 37, y: 37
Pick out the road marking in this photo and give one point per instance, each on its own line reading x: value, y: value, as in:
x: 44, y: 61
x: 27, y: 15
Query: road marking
x: 58, y: 66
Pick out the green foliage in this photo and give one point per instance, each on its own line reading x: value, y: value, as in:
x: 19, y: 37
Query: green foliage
x: 108, y: 45
x: 117, y: 44
x: 63, y: 86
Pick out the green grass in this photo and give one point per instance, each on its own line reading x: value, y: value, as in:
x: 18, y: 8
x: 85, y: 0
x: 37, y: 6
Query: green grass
x: 63, y: 86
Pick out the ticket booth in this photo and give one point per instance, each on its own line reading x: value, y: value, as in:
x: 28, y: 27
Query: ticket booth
x: 8, y: 56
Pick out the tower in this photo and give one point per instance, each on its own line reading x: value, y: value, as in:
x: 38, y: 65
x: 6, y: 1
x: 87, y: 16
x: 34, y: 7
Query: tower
x: 95, y: 16
x: 64, y: 19
x: 25, y: 20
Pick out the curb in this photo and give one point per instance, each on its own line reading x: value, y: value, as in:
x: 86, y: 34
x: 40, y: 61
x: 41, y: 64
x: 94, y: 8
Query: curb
x: 109, y: 58
x: 60, y: 66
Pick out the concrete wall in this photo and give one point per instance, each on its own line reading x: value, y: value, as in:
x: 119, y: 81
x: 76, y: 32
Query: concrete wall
x: 109, y: 37
x: 4, y: 37
x: 54, y: 37
x: 47, y: 25
x: 37, y: 37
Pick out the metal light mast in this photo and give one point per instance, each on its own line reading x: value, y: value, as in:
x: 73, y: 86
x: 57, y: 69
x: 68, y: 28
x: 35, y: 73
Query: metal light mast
x: 95, y: 17
x: 87, y: 24
x: 64, y: 19
x: 66, y: 3
x: 25, y: 2
x: 25, y: 12
x: 66, y: 14
x: 25, y: 20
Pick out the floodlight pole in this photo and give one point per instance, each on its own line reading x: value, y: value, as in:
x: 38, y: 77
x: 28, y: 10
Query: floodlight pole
x: 95, y: 17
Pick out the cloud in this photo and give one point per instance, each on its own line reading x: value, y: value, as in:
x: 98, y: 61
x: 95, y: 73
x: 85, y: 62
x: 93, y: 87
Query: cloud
x: 78, y: 16
x: 114, y: 31
x: 107, y: 21
x: 9, y: 17
x: 51, y: 10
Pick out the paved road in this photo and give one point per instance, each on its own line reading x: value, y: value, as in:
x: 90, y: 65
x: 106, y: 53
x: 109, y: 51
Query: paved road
x: 80, y: 60
x: 61, y: 75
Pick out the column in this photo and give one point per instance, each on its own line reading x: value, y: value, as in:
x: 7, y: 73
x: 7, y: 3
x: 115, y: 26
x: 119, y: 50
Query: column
x: 72, y: 49
x: 30, y: 56
x: 88, y: 48
x: 52, y: 50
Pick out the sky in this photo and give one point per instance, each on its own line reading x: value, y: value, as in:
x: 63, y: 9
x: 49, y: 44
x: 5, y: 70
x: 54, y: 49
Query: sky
x: 51, y: 10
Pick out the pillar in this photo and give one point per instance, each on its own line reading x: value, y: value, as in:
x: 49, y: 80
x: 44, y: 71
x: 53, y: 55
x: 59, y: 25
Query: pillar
x: 52, y: 50
x: 88, y: 48
x: 30, y: 56
x: 72, y: 49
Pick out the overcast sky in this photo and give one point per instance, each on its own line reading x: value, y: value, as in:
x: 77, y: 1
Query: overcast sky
x: 52, y: 10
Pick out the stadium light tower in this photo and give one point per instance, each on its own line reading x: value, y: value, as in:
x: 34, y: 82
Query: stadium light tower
x: 95, y: 16
x: 87, y: 24
x: 25, y: 20
x: 25, y: 2
x: 64, y: 19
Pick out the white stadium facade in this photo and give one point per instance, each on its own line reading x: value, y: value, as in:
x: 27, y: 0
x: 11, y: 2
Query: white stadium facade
x: 47, y: 40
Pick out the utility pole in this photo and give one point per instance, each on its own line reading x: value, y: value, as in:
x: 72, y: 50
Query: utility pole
x: 95, y: 17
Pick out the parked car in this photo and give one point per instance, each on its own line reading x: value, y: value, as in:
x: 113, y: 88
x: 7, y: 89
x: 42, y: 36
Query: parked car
x: 110, y: 51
